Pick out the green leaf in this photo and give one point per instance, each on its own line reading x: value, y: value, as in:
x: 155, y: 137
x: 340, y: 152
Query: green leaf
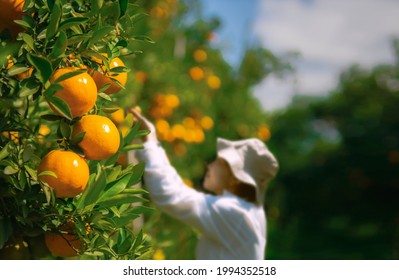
x: 55, y: 17
x: 42, y: 65
x: 109, y: 110
x: 104, y: 87
x: 78, y: 38
x: 132, y: 147
x: 28, y: 40
x: 138, y: 171
x: 120, y: 69
x: 104, y: 96
x: 52, y: 89
x: 51, y: 118
x: 137, y: 17
x: 29, y: 88
x: 47, y: 172
x: 81, y: 200
x: 94, y: 192
x: 60, y: 46
x: 60, y: 106
x: 100, y: 33
x: 123, y: 7
x: 27, y: 154
x: 65, y: 129
x: 115, y: 187
x: 10, y: 170
x: 96, y: 5
x: 143, y: 38
x: 72, y: 22
x: 78, y: 137
x: 16, y: 69
x: 31, y: 171
x: 115, y: 172
x: 5, y: 151
x: 121, y: 198
x: 22, y: 23
x: 69, y: 75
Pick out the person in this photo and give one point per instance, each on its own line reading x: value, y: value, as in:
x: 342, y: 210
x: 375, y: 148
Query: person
x: 232, y: 222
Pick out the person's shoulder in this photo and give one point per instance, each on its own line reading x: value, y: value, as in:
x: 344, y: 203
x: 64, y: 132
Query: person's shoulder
x: 230, y: 203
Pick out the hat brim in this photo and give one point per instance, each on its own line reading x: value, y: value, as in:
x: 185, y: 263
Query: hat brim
x: 226, y: 151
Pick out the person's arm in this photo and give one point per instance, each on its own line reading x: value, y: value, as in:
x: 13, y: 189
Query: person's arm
x: 168, y: 191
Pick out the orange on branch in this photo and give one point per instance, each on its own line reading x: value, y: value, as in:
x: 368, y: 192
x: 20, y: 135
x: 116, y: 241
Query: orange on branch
x: 200, y: 55
x: 26, y: 74
x: 117, y: 117
x: 213, y: 82
x: 12, y: 135
x: 196, y: 73
x: 102, y: 137
x: 105, y: 78
x: 79, y: 92
x: 63, y: 244
x: 71, y: 171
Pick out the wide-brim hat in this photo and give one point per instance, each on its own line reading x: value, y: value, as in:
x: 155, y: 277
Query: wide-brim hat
x: 250, y: 161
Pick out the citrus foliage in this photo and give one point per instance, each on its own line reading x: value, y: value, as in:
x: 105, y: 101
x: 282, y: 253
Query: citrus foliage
x: 48, y: 55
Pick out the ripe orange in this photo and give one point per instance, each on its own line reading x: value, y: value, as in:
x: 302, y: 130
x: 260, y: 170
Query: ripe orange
x: 118, y: 116
x: 102, y: 138
x: 71, y: 170
x: 213, y: 82
x: 63, y: 244
x: 79, y: 92
x: 104, y: 78
x: 10, y: 11
x: 26, y: 74
x: 13, y: 135
x: 200, y: 55
x: 196, y: 73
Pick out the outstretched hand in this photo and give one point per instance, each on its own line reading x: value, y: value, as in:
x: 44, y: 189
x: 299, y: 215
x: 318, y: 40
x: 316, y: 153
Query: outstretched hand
x: 145, y: 125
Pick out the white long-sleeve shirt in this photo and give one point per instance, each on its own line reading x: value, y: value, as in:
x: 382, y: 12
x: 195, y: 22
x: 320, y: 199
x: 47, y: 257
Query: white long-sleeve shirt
x: 231, y: 227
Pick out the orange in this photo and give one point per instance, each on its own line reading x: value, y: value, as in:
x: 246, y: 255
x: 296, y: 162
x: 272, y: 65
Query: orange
x: 102, y: 79
x: 140, y: 76
x: 213, y: 82
x: 26, y: 74
x: 206, y: 122
x: 118, y: 116
x: 79, y: 92
x: 71, y: 170
x: 102, y: 138
x: 196, y: 73
x: 63, y: 244
x: 200, y: 55
x: 11, y: 10
x: 13, y: 135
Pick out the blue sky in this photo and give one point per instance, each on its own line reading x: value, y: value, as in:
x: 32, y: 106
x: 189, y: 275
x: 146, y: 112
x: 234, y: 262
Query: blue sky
x: 236, y: 31
x: 329, y: 35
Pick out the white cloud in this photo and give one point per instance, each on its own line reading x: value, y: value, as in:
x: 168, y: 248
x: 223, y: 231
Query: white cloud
x: 330, y: 36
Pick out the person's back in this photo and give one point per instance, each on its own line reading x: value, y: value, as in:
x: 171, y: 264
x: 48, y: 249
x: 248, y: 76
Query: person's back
x: 232, y: 222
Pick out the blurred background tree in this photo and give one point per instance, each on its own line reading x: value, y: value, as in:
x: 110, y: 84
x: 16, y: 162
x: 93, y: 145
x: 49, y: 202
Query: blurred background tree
x: 335, y: 196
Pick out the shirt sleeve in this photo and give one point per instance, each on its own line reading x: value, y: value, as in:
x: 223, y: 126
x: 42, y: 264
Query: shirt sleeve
x: 169, y: 193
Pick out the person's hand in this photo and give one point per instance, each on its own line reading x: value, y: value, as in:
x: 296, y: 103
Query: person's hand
x: 145, y: 125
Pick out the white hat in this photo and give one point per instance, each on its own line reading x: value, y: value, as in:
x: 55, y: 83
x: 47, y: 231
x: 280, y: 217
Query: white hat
x: 250, y: 161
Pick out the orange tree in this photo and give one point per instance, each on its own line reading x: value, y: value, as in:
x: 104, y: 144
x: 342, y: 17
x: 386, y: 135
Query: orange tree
x: 62, y: 192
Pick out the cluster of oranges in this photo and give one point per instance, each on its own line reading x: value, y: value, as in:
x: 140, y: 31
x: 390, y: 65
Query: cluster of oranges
x: 189, y: 131
x: 197, y: 73
x: 65, y: 171
x: 163, y: 105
